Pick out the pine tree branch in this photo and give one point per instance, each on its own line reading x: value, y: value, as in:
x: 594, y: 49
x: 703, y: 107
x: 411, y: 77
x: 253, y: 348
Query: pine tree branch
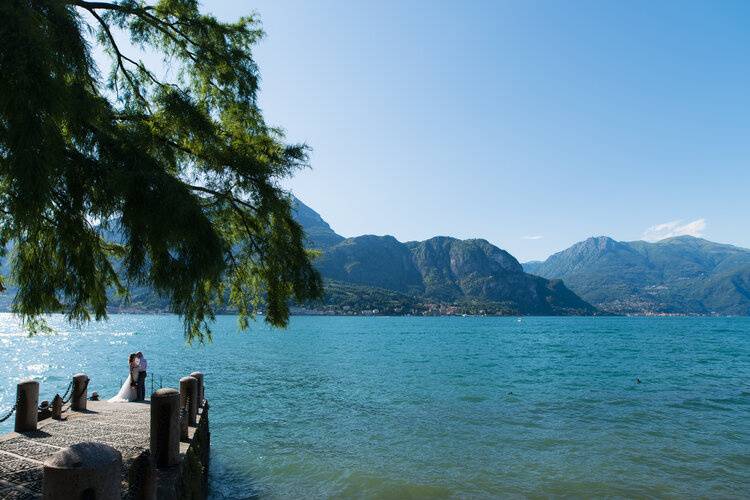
x: 220, y: 194
x: 122, y: 57
x: 237, y: 206
x: 159, y: 24
x: 101, y: 5
x: 119, y: 55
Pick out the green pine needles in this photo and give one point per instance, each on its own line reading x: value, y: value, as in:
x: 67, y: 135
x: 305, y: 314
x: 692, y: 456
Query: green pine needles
x: 184, y: 170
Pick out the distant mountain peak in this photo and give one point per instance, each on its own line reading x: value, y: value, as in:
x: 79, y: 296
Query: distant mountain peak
x: 685, y: 237
x: 585, y: 250
x: 318, y: 232
x: 600, y: 242
x: 683, y: 275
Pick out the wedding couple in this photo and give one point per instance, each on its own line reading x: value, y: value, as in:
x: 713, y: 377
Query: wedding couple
x: 134, y: 388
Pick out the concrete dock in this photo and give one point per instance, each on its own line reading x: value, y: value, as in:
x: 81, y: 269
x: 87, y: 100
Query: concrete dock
x: 124, y: 426
x: 164, y: 447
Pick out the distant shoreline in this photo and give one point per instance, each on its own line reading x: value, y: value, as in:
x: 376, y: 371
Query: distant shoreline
x: 312, y: 313
x: 141, y: 312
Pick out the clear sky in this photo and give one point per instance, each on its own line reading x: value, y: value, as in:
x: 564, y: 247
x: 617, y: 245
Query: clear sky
x: 533, y: 124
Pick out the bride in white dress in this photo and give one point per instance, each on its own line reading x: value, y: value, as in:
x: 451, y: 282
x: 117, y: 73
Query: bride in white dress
x: 128, y: 390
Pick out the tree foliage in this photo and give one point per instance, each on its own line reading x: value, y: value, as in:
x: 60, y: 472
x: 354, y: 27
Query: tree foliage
x: 185, y: 166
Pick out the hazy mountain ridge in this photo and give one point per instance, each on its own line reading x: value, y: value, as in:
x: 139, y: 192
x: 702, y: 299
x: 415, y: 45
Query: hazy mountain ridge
x: 680, y: 275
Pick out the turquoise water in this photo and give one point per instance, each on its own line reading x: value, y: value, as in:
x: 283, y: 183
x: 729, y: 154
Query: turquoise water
x: 440, y: 407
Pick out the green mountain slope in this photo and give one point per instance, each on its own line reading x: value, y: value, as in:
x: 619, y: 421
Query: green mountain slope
x: 347, y: 298
x: 453, y: 269
x: 682, y: 275
x: 448, y: 271
x: 379, y: 261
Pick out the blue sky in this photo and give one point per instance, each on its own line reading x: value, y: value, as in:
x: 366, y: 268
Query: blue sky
x: 533, y: 124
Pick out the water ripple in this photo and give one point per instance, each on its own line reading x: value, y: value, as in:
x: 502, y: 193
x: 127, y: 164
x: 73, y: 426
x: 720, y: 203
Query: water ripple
x: 439, y: 407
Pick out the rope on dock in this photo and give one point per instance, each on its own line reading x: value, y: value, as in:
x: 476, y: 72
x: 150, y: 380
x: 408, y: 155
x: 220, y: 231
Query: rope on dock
x: 6, y: 417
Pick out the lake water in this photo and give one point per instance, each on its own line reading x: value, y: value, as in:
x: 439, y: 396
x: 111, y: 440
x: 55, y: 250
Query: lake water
x: 439, y: 407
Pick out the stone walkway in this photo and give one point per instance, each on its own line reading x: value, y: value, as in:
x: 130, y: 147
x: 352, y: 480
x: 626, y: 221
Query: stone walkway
x: 125, y: 426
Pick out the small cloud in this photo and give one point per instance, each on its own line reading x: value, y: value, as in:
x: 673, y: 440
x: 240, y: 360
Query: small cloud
x: 535, y: 237
x: 675, y: 228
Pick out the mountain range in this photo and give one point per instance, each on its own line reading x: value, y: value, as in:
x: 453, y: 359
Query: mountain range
x: 680, y: 275
x: 439, y: 274
x: 683, y: 275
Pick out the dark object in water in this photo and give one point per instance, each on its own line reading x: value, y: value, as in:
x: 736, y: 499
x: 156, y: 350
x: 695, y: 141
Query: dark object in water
x: 637, y: 381
x: 95, y: 396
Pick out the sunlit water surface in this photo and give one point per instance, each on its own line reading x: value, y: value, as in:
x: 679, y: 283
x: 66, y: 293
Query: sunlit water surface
x: 439, y: 407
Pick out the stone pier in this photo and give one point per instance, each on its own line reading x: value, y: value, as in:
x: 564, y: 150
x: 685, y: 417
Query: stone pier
x: 124, y: 427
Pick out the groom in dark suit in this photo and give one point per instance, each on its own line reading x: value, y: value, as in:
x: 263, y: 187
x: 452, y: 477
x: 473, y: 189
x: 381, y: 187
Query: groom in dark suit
x: 142, y: 367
